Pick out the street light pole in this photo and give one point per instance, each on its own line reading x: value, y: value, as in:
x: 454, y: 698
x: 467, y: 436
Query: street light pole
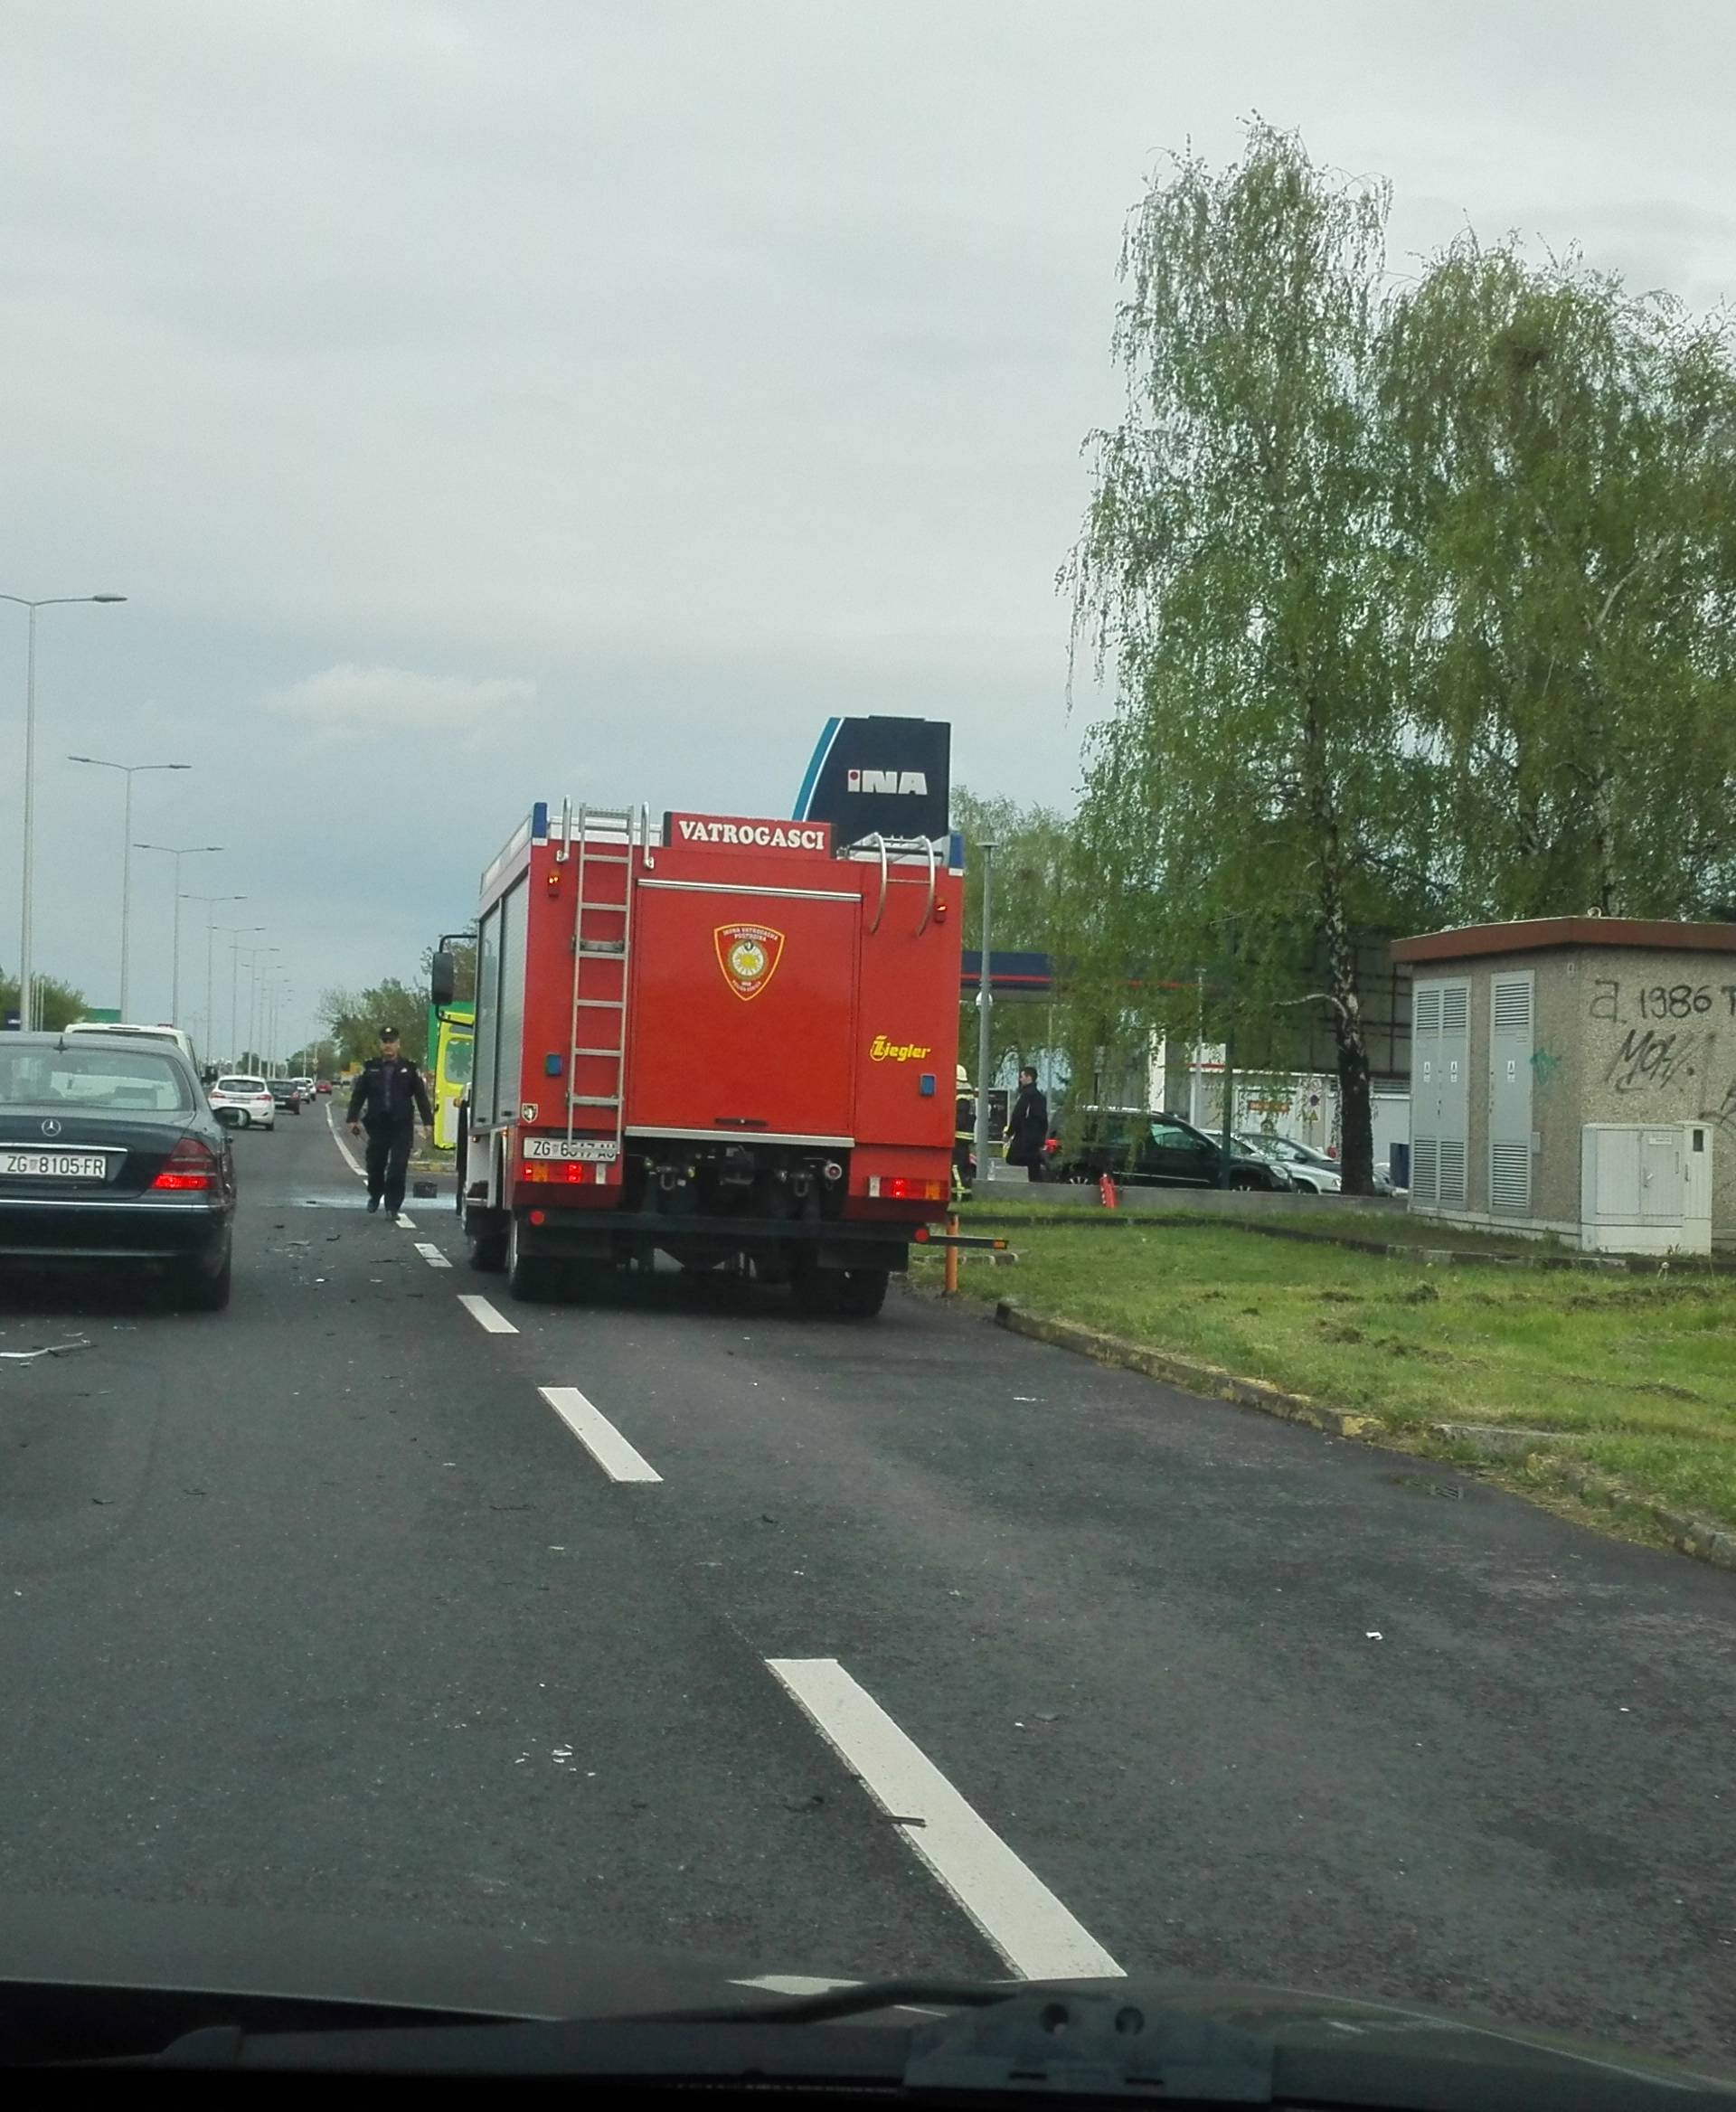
x: 177, y: 851
x: 984, y: 1005
x: 26, y: 934
x: 254, y: 955
x: 236, y: 932
x: 130, y: 771
x: 208, y: 1023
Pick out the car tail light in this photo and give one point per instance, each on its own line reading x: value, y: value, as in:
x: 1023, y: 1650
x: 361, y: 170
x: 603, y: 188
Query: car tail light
x: 899, y: 1188
x: 192, y: 1164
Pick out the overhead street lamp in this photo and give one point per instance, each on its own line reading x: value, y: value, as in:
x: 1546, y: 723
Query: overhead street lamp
x: 255, y: 955
x: 208, y: 1023
x: 177, y: 851
x: 236, y: 932
x: 26, y: 936
x: 129, y: 770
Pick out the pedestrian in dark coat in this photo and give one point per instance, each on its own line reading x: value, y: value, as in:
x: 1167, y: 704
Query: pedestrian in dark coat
x: 1027, y: 1126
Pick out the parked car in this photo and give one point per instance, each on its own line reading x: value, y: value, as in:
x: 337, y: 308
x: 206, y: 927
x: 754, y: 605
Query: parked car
x: 241, y: 1101
x: 285, y: 1093
x: 1145, y: 1149
x: 1308, y: 1168
x: 110, y: 1159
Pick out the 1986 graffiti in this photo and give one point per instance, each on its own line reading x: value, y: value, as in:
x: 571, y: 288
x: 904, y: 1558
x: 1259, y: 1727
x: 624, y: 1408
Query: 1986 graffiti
x: 1662, y: 1000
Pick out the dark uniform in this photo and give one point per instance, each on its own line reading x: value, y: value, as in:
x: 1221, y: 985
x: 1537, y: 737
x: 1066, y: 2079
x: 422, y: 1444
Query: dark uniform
x: 387, y: 1094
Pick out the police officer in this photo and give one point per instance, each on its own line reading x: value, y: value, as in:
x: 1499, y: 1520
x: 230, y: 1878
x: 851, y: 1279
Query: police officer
x: 388, y: 1094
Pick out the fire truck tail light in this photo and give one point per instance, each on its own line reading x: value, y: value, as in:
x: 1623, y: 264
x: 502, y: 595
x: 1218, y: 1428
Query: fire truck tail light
x: 899, y: 1188
x: 566, y: 1172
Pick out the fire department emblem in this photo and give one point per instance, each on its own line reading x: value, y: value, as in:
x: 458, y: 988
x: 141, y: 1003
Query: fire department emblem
x: 748, y: 954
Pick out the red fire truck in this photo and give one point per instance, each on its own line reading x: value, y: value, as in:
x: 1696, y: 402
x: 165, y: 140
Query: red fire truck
x: 723, y: 1039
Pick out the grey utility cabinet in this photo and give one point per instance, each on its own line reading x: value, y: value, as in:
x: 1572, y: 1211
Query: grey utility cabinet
x: 1577, y: 1075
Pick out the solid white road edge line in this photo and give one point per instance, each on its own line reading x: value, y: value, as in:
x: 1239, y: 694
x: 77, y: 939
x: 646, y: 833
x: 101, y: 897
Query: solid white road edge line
x: 597, y: 1435
x: 485, y: 1315
x: 1008, y: 1903
x: 355, y: 1163
x: 431, y: 1254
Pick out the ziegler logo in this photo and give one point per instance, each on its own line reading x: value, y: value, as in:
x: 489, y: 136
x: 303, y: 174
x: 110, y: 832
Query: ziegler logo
x: 885, y: 1052
x: 749, y: 954
x: 894, y: 781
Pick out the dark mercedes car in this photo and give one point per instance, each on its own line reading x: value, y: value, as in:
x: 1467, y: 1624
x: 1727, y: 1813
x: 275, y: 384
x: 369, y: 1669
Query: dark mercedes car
x: 110, y: 1159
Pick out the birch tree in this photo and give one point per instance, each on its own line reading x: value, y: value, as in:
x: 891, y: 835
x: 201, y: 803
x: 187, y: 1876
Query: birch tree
x: 1564, y: 479
x: 1253, y: 803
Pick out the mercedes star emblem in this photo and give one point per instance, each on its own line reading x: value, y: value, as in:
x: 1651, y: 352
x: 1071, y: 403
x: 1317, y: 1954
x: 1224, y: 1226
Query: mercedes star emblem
x: 51, y: 1128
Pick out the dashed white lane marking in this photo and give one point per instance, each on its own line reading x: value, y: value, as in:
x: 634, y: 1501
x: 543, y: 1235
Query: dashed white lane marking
x: 355, y: 1163
x: 431, y: 1254
x: 485, y: 1315
x: 405, y: 1222
x: 597, y: 1435
x: 1009, y: 1903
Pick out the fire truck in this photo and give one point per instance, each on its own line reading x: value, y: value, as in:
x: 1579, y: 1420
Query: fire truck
x: 725, y: 1039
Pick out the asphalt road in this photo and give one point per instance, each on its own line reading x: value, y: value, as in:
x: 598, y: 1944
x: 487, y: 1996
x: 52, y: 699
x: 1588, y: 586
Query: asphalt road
x: 320, y: 1606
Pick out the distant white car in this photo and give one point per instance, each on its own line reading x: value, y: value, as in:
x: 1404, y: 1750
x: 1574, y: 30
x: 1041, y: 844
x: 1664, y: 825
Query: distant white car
x: 1307, y: 1168
x: 244, y: 1102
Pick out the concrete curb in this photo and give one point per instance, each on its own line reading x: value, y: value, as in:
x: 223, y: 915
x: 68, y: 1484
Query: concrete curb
x: 1689, y: 1534
x: 1211, y: 1380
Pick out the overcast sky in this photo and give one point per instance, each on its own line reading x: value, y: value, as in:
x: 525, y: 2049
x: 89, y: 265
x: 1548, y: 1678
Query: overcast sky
x: 483, y: 400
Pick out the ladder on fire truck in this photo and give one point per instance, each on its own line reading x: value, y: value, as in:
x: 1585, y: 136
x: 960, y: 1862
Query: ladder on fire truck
x: 598, y: 842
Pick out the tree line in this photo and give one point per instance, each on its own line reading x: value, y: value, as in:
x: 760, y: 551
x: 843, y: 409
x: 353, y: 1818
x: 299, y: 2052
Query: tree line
x: 57, y: 1005
x: 1416, y: 592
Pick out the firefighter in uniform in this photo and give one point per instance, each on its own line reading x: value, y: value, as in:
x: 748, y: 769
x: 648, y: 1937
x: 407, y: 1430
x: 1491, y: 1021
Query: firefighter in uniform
x: 389, y: 1094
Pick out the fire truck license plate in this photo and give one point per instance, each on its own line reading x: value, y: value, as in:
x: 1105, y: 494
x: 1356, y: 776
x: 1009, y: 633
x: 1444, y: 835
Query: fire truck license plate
x: 63, y: 1165
x: 557, y: 1148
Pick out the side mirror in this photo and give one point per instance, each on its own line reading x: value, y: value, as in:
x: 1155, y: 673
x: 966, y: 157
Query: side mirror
x: 442, y: 978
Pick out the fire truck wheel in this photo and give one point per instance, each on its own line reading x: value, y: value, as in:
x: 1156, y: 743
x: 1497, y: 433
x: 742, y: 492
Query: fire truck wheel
x: 527, y: 1276
x: 487, y: 1247
x: 815, y: 1290
x: 861, y: 1292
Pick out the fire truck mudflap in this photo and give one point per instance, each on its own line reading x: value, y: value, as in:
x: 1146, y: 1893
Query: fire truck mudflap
x: 724, y: 1039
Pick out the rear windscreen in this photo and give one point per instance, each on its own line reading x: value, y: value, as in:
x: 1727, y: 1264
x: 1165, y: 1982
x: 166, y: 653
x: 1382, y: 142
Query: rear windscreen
x: 93, y: 1078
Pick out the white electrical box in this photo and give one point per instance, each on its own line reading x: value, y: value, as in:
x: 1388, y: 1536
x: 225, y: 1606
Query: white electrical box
x: 1646, y: 1187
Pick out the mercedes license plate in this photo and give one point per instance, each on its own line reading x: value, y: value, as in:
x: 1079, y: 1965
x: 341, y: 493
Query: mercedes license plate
x: 581, y: 1148
x: 55, y: 1165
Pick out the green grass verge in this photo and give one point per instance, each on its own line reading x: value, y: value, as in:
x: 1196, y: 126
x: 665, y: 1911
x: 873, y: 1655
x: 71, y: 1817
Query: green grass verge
x: 1642, y: 1368
x: 1393, y: 1227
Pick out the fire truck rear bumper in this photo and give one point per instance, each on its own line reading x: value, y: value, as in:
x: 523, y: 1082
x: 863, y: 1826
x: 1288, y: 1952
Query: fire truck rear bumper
x: 832, y: 1243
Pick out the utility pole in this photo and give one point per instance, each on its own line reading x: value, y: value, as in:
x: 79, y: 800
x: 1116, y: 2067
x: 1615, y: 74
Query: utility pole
x: 984, y: 1005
